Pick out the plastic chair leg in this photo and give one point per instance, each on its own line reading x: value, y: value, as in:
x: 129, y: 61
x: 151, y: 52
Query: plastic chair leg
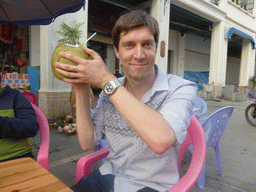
x: 218, y: 158
x: 201, y: 180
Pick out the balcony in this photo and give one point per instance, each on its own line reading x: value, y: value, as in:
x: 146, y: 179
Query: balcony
x: 247, y: 5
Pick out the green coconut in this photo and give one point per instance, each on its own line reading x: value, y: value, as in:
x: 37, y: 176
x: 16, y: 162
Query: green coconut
x: 78, y: 51
x: 69, y: 119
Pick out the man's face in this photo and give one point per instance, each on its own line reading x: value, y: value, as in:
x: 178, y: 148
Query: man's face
x: 137, y: 52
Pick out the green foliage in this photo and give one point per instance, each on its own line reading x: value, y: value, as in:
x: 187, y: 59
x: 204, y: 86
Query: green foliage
x: 252, y: 81
x: 71, y: 34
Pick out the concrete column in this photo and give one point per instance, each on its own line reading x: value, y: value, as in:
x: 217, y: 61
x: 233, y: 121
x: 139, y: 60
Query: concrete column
x: 247, y: 62
x: 160, y: 9
x: 181, y: 54
x: 218, y: 58
x: 46, y: 77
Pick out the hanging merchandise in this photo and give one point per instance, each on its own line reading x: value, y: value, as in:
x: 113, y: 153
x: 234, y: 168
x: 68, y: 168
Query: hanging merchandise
x: 6, y: 32
x: 19, y: 45
x: 20, y: 62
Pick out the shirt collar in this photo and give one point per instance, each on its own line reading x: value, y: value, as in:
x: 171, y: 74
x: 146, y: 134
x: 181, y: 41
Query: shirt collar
x: 160, y: 84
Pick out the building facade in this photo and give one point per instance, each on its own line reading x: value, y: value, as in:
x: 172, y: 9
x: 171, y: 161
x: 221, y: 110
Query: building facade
x: 214, y: 36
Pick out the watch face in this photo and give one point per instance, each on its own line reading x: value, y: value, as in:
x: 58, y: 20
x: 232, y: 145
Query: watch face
x: 109, y: 88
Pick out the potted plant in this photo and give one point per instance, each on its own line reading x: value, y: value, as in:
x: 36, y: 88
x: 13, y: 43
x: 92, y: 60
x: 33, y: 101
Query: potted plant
x: 252, y: 82
x: 69, y: 43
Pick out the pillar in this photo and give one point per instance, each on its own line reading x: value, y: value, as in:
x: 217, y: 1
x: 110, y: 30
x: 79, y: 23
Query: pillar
x: 160, y: 9
x: 218, y: 58
x: 247, y: 62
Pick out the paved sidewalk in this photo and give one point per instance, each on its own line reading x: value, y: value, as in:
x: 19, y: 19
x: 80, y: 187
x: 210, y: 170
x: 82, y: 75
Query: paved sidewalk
x: 237, y: 150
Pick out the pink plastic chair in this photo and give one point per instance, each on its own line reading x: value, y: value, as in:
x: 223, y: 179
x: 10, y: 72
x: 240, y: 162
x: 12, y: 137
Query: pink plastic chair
x: 31, y: 97
x: 195, y: 137
x: 43, y: 153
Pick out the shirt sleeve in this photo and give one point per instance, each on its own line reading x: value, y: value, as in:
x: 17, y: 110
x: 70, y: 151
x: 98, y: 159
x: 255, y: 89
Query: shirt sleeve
x: 24, y: 124
x: 98, y: 120
x: 177, y: 109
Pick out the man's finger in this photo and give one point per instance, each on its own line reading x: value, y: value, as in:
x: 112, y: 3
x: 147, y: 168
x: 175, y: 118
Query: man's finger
x: 67, y: 74
x: 71, y: 57
x: 91, y: 52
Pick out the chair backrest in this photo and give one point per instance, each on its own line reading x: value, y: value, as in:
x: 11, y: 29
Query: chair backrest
x: 215, y: 125
x: 195, y: 137
x: 31, y: 97
x: 200, y: 107
x: 43, y: 153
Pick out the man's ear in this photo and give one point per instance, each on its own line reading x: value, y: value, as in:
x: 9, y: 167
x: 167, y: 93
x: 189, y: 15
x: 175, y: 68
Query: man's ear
x: 117, y: 53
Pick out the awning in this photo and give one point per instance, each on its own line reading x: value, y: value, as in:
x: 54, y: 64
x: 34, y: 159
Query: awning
x: 36, y: 12
x: 233, y: 30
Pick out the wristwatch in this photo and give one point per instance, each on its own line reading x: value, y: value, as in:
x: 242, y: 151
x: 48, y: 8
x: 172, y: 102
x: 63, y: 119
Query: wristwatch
x: 111, y: 86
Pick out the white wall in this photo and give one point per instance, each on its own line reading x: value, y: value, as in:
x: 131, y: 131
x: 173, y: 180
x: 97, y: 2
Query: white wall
x: 110, y: 60
x: 232, y: 74
x: 240, y: 16
x: 173, y: 46
x: 34, y: 45
x: 197, y: 53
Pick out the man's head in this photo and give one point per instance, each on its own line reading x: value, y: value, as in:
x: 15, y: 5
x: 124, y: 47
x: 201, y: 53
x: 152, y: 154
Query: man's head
x: 132, y: 20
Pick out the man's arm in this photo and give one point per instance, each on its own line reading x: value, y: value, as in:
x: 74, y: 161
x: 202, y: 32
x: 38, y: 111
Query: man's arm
x: 85, y: 127
x: 147, y: 123
x: 24, y: 124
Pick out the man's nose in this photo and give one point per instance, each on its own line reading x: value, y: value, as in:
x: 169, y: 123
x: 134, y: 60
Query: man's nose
x: 139, y: 52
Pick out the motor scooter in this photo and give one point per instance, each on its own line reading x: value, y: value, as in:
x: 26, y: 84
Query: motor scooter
x: 250, y: 111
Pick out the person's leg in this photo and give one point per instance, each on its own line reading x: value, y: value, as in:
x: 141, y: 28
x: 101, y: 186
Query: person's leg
x: 95, y: 182
x: 147, y: 189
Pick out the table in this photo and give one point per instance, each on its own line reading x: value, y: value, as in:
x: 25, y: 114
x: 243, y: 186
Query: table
x: 25, y: 174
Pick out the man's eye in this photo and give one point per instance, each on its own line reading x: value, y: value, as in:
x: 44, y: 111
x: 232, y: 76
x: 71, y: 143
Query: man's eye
x: 148, y: 44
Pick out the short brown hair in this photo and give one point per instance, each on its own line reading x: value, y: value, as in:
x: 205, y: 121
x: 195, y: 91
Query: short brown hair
x: 132, y: 20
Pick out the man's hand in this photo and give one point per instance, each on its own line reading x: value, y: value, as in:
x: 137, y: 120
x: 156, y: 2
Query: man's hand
x: 87, y: 71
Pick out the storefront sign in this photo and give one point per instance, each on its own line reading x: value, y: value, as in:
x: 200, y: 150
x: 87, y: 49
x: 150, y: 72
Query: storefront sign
x: 15, y: 80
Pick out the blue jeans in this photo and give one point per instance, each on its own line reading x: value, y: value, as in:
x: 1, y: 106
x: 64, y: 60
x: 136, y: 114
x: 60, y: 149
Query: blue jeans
x: 95, y: 182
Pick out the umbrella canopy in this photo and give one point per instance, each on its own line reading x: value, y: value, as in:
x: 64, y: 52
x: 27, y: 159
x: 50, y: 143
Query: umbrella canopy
x: 36, y: 12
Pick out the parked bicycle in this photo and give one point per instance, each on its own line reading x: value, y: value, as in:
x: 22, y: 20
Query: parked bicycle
x: 250, y: 111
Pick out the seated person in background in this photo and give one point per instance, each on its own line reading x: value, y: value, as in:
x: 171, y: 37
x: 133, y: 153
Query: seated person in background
x: 144, y: 119
x: 18, y: 122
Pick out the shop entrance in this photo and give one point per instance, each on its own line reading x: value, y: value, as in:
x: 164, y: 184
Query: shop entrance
x: 14, y: 48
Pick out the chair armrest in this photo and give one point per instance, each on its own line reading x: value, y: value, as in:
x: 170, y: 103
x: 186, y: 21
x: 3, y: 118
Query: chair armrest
x: 85, y: 163
x: 187, y: 181
x: 43, y: 153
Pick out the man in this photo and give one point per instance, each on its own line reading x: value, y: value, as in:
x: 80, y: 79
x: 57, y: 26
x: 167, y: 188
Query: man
x: 18, y: 122
x: 144, y: 115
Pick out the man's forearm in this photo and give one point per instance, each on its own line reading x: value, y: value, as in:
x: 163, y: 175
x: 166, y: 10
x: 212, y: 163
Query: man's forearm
x: 147, y: 123
x: 85, y: 127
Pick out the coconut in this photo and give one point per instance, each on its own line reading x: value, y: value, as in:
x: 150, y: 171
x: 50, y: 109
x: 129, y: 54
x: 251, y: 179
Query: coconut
x: 69, y: 119
x: 76, y: 50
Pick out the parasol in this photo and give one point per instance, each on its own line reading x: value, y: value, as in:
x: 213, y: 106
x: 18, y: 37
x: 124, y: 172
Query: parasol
x: 36, y: 12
